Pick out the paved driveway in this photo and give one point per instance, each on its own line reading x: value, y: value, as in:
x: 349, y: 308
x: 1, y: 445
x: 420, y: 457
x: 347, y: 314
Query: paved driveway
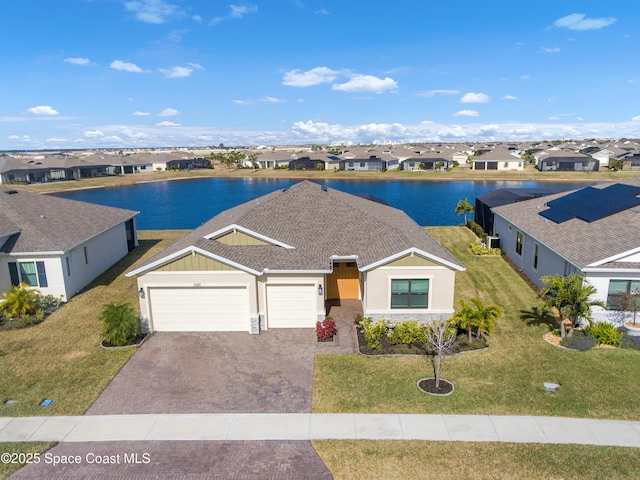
x: 218, y: 372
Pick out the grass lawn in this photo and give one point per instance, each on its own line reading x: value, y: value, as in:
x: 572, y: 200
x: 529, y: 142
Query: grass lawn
x: 8, y: 468
x: 389, y: 460
x: 61, y: 358
x: 504, y: 380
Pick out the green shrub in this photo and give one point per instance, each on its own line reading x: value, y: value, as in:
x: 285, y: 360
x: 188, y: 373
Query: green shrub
x: 373, y: 332
x: 406, y: 332
x: 605, y: 334
x: 579, y: 341
x: 120, y: 324
x: 477, y: 229
x: 478, y: 249
x: 20, y: 300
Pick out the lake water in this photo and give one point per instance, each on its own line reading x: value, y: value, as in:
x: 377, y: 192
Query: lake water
x: 186, y: 204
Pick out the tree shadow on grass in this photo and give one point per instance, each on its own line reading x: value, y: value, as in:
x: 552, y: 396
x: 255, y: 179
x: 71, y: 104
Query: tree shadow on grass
x: 539, y: 315
x: 124, y: 264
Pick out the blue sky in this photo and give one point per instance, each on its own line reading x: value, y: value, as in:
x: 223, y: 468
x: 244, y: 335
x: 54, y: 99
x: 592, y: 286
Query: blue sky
x: 137, y: 73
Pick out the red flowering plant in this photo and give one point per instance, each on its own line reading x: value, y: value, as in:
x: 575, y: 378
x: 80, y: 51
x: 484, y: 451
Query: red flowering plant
x: 326, y: 328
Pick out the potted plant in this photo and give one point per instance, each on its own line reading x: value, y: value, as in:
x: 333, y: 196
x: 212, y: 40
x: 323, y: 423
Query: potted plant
x: 629, y: 304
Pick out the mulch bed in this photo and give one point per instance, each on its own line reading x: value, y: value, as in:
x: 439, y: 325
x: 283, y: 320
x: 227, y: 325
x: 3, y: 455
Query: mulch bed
x: 136, y: 343
x: 386, y: 348
x: 428, y: 385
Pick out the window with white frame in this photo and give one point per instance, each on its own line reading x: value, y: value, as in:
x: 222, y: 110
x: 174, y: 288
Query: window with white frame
x: 519, y: 242
x: 410, y: 293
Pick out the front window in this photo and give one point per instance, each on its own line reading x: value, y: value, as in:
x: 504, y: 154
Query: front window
x: 618, y: 289
x: 536, y: 255
x: 410, y: 293
x: 32, y: 274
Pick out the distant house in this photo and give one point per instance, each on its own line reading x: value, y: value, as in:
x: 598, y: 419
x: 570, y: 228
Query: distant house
x: 59, y: 246
x: 276, y: 261
x: 565, y: 161
x: 306, y: 163
x: 498, y: 159
x: 591, y: 231
x: 371, y: 164
x: 425, y: 161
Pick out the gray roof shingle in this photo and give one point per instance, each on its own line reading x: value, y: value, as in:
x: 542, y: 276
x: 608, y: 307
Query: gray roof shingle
x: 318, y: 223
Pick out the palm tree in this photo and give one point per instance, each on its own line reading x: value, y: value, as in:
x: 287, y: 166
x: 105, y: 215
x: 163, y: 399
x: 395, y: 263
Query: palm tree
x: 476, y: 316
x: 571, y: 298
x: 463, y: 207
x: 19, y: 300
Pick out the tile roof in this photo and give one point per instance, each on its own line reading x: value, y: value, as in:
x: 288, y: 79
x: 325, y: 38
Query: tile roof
x: 318, y: 223
x: 580, y: 242
x: 52, y: 224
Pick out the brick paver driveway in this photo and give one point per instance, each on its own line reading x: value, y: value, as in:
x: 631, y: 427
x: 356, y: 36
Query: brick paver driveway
x: 217, y: 372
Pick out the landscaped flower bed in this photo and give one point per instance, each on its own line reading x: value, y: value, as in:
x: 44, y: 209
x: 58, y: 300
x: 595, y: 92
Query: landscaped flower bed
x: 23, y: 307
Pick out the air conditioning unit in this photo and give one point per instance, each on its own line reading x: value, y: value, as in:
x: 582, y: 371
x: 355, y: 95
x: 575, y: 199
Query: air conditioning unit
x: 493, y: 242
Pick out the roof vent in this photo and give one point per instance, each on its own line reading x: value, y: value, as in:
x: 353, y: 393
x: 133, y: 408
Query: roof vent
x: 42, y: 216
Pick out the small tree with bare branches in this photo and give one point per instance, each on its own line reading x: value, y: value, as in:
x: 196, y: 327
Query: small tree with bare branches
x: 440, y: 338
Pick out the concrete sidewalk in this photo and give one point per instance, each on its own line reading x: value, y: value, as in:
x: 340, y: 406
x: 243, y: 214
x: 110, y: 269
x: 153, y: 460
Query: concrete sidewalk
x: 305, y: 426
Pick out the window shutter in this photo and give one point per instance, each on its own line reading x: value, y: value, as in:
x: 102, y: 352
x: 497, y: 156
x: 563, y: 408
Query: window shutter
x: 13, y: 272
x: 42, y: 274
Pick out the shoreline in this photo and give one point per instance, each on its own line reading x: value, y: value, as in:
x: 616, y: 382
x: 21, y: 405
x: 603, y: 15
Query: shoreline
x: 529, y: 175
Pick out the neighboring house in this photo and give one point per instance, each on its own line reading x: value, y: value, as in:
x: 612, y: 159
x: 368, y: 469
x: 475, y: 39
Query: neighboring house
x: 57, y: 245
x: 306, y: 163
x: 565, y: 161
x: 484, y: 204
x: 592, y: 231
x: 426, y: 161
x: 275, y: 262
x: 498, y: 159
x: 371, y: 164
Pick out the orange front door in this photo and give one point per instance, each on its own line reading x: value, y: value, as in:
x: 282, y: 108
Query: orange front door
x: 343, y: 283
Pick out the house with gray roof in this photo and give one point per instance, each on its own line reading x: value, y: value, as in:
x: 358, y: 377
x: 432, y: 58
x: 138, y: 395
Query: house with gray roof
x: 498, y: 158
x: 565, y: 161
x: 591, y: 231
x: 276, y: 261
x: 59, y: 246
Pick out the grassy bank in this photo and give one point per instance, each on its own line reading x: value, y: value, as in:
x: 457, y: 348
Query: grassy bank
x: 504, y: 380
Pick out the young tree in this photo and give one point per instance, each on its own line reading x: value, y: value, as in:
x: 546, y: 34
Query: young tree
x: 570, y: 297
x: 476, y: 316
x: 440, y: 339
x: 463, y: 207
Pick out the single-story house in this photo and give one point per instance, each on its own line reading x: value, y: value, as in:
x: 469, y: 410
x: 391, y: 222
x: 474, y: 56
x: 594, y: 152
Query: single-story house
x: 425, y: 161
x: 498, y: 159
x: 276, y: 261
x: 306, y: 163
x: 565, y: 161
x: 591, y: 231
x: 59, y: 246
x: 371, y: 164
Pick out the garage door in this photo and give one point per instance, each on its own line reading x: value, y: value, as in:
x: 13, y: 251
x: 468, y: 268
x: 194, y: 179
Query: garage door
x: 221, y: 309
x: 291, y: 306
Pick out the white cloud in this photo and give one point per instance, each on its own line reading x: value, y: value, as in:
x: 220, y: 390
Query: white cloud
x: 636, y: 118
x: 525, y: 77
x: 473, y: 97
x: 168, y: 112
x: 24, y: 138
x: 93, y: 133
x: 239, y: 11
x: 509, y: 97
x: 579, y: 21
x: 141, y: 114
x: 55, y: 139
x: 273, y: 100
x: 125, y: 66
x: 315, y: 76
x: 242, y: 102
x: 195, y: 66
x: 322, y: 11
x: 196, y: 18
x: 13, y: 137
x: 367, y: 83
x: 84, y: 62
x: 438, y: 93
x: 176, y: 72
x: 550, y: 50
x: 167, y: 124
x: 466, y: 113
x: 151, y: 11
x: 260, y: 100
x: 42, y: 110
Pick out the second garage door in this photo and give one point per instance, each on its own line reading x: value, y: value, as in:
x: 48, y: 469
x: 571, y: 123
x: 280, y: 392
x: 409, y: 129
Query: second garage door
x: 291, y: 306
x: 221, y: 309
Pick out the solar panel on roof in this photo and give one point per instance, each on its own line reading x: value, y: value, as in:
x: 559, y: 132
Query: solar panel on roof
x: 590, y: 204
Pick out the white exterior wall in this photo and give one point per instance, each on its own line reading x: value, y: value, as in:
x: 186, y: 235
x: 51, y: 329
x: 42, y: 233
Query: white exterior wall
x: 53, y: 269
x: 514, y: 164
x: 197, y: 280
x: 377, y: 299
x: 600, y: 280
x: 291, y: 279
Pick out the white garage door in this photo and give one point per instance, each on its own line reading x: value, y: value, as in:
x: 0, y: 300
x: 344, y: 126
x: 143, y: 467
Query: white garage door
x: 219, y: 309
x: 291, y: 306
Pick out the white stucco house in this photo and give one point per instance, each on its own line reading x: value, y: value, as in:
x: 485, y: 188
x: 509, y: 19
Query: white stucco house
x: 498, y: 159
x: 593, y: 231
x: 59, y: 246
x: 276, y: 261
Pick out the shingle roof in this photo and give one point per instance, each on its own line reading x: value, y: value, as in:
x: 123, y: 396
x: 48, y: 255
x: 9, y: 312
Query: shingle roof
x: 318, y: 223
x: 52, y: 224
x: 580, y: 242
